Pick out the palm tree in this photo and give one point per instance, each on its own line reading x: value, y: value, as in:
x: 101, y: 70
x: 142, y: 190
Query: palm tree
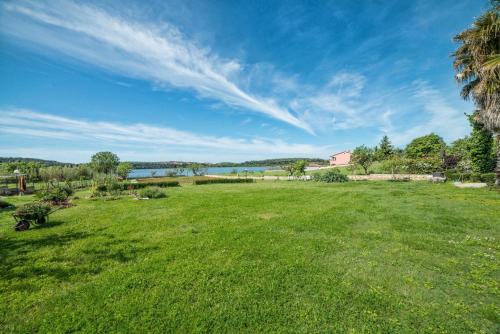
x: 477, y: 62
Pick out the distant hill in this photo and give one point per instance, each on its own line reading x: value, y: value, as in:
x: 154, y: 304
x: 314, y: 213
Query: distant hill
x: 177, y: 164
x: 45, y: 162
x: 251, y: 163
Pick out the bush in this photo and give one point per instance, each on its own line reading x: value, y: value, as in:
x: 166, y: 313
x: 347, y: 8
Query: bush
x: 453, y: 175
x: 330, y: 176
x: 152, y: 192
x: 57, y: 194
x: 217, y: 180
x: 134, y: 186
x: 36, y: 211
x: 5, y: 204
x: 488, y: 178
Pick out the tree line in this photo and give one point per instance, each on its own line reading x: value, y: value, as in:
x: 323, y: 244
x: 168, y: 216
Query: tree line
x: 426, y: 154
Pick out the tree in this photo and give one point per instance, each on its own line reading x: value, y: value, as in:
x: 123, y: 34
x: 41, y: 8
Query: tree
x: 104, y: 162
x: 385, y: 149
x: 363, y: 156
x: 460, y: 148
x: 480, y: 147
x: 124, y: 169
x: 289, y: 169
x: 477, y: 63
x: 299, y: 167
x: 196, y: 169
x: 430, y: 145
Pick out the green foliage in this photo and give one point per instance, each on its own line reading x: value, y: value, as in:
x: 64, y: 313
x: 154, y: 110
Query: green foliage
x: 4, y: 204
x: 35, y: 211
x: 425, y: 165
x: 30, y: 168
x: 220, y: 180
x: 384, y: 150
x: 430, y: 145
x: 299, y: 167
x: 65, y: 173
x: 105, y: 185
x: 460, y: 148
x: 56, y: 194
x: 395, y: 165
x: 152, y: 192
x: 330, y: 176
x: 480, y: 148
x: 454, y: 175
x: 363, y: 156
x: 197, y: 169
x: 140, y: 185
x: 488, y: 178
x: 124, y: 169
x: 104, y: 162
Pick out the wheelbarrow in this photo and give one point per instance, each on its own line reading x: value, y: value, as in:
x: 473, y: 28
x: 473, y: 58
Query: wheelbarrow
x: 23, y: 222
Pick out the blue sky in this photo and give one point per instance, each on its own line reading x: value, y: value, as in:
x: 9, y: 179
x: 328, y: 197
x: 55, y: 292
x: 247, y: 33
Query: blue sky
x: 226, y: 80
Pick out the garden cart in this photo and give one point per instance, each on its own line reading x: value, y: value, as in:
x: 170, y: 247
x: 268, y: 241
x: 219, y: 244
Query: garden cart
x: 33, y: 213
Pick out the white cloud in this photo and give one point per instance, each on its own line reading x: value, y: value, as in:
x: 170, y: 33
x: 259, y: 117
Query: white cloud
x: 340, y: 104
x: 143, y: 139
x: 436, y: 114
x: 161, y: 55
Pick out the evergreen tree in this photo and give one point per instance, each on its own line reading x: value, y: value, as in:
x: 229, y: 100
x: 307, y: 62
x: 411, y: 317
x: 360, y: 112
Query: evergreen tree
x: 385, y: 149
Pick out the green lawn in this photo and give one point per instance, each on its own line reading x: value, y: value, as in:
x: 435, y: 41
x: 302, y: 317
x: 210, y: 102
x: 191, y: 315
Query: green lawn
x: 263, y: 257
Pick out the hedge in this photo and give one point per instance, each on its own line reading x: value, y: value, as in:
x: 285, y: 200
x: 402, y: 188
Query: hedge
x: 133, y: 186
x: 216, y: 180
x: 488, y: 178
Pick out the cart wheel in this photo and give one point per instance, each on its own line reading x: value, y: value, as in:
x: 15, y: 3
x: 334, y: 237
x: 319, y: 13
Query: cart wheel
x: 42, y: 220
x: 22, y: 225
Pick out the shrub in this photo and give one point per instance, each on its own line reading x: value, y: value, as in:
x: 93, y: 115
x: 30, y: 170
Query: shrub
x: 152, y: 192
x: 36, y: 211
x: 134, y: 186
x: 57, y: 194
x: 330, y: 176
x: 5, y: 204
x: 424, y: 165
x: 453, y: 175
x: 488, y: 178
x: 217, y: 180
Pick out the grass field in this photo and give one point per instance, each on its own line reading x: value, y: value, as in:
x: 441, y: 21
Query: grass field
x: 263, y: 257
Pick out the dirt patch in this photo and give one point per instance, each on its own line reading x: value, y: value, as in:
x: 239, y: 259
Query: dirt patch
x: 268, y: 215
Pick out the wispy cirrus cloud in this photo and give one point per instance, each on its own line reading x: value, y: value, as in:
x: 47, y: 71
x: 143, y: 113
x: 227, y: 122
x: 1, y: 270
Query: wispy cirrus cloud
x: 160, y: 54
x: 435, y: 113
x: 143, y: 137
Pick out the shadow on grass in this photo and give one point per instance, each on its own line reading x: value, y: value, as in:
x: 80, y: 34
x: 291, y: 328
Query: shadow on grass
x: 72, y: 255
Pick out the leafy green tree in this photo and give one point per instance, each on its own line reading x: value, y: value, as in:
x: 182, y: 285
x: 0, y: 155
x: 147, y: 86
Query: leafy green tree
x: 196, y: 169
x: 299, y: 167
x: 384, y: 150
x: 480, y: 148
x: 124, y: 169
x: 289, y: 169
x: 104, y: 162
x: 430, y: 145
x: 460, y: 148
x: 363, y: 156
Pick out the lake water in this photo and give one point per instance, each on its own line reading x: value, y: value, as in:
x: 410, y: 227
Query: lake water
x: 137, y: 173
